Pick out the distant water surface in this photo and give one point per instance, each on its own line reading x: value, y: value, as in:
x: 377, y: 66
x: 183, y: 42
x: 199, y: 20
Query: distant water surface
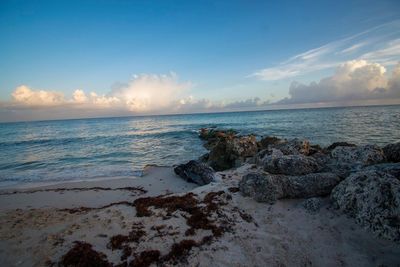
x: 63, y: 150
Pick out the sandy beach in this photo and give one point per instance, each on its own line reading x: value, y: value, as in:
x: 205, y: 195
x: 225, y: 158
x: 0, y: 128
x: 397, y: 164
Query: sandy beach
x: 40, y: 225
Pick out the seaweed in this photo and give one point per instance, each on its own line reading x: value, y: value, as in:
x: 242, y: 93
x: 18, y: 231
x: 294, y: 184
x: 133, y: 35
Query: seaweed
x: 87, y: 209
x: 145, y: 258
x: 83, y: 255
x: 97, y: 188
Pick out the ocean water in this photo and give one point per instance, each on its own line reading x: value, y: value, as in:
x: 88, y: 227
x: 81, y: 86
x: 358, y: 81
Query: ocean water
x: 51, y: 151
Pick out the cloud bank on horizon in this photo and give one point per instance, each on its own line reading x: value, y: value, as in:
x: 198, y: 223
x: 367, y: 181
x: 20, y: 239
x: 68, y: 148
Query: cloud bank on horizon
x: 143, y: 94
x: 365, y: 67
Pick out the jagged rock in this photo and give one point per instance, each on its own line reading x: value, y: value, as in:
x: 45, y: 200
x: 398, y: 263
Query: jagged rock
x: 293, y: 147
x: 373, y: 199
x: 347, y: 159
x: 212, y: 136
x: 314, y: 149
x: 288, y: 147
x: 258, y: 158
x: 336, y: 144
x: 312, y: 205
x: 392, y: 152
x: 278, y: 163
x: 268, y: 188
x: 196, y: 172
x: 231, y: 152
x: 390, y: 168
x: 321, y: 157
x: 265, y: 142
x: 363, y: 155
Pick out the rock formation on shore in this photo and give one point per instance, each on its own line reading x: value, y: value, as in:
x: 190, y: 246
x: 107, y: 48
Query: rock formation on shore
x: 360, y: 180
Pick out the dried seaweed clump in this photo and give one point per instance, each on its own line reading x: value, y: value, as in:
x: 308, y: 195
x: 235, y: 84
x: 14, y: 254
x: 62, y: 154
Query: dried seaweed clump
x: 83, y: 255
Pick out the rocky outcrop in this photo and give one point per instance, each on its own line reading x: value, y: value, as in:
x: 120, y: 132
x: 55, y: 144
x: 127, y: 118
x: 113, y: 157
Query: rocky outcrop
x: 373, y: 199
x: 293, y: 147
x: 212, y: 136
x: 288, y: 147
x: 278, y: 163
x: 195, y: 172
x: 231, y: 151
x: 359, y: 155
x: 336, y: 144
x: 265, y: 142
x: 347, y: 159
x: 392, y: 152
x: 264, y: 187
x: 390, y: 168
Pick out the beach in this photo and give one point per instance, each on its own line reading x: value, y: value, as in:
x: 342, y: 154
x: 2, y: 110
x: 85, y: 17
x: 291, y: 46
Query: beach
x: 129, y: 192
x: 40, y: 225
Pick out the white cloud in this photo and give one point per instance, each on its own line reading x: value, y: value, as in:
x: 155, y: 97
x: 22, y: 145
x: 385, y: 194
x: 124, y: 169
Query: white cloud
x: 143, y: 94
x: 353, y: 80
x: 380, y: 44
x: 26, y: 96
x: 353, y: 48
x: 150, y: 92
x: 79, y: 96
x: 386, y: 54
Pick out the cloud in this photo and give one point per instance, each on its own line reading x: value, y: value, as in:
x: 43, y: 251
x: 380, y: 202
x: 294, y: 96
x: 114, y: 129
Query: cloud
x: 386, y: 54
x: 380, y: 44
x: 353, y: 80
x: 151, y: 92
x: 143, y: 94
x: 79, y: 96
x: 26, y: 96
x: 248, y: 103
x: 353, y: 48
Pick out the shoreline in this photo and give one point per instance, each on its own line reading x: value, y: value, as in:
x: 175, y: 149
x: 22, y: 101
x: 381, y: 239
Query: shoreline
x: 191, y: 215
x: 34, y: 185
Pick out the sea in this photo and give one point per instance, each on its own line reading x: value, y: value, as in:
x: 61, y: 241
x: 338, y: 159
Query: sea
x: 85, y: 149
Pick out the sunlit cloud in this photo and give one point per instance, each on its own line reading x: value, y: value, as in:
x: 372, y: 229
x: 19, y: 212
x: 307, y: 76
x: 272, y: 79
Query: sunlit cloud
x: 352, y: 80
x: 143, y: 94
x: 380, y: 44
x: 26, y: 96
x: 151, y: 92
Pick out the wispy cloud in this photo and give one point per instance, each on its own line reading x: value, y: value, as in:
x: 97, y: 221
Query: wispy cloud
x: 353, y: 48
x: 379, y: 44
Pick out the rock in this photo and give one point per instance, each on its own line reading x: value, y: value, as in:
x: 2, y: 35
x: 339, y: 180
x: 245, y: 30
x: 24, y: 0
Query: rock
x: 212, y: 136
x: 336, y: 144
x: 265, y: 142
x: 314, y: 149
x: 363, y: 155
x: 373, y: 199
x: 232, y: 151
x: 268, y: 188
x: 258, y: 158
x: 390, y: 168
x: 277, y: 163
x: 312, y: 205
x: 347, y: 159
x: 321, y: 157
x: 293, y: 147
x: 392, y: 152
x: 195, y: 172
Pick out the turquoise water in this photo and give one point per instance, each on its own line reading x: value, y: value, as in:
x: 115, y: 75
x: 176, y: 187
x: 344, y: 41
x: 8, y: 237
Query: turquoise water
x: 49, y: 151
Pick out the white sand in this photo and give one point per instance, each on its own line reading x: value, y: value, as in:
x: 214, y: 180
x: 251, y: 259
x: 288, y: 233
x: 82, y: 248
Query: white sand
x: 33, y: 231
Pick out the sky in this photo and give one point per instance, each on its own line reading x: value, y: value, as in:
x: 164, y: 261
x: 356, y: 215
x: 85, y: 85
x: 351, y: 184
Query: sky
x: 74, y: 59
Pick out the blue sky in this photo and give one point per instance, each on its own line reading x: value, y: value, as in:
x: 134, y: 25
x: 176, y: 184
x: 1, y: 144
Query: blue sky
x: 216, y: 50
